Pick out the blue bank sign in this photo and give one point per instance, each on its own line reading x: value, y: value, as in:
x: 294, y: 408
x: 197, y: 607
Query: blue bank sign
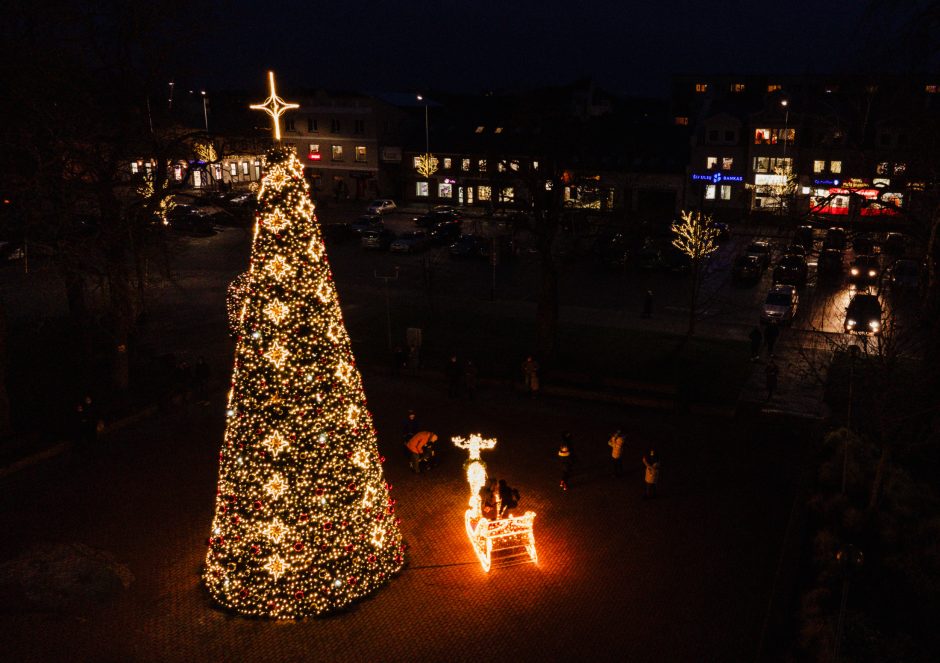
x: 715, y: 178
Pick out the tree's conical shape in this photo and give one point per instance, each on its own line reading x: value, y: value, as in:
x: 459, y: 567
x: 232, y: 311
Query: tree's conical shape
x: 303, y: 519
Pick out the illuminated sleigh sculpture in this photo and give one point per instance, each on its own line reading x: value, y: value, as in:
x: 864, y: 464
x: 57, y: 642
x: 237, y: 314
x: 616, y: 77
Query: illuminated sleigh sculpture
x: 507, y: 540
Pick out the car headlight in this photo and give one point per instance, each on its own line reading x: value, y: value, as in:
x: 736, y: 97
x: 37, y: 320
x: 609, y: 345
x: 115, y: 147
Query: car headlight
x: 855, y: 271
x: 875, y: 325
x: 850, y: 322
x: 871, y: 272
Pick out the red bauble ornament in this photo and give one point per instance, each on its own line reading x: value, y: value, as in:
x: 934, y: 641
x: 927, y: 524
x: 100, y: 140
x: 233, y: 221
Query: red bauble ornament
x: 258, y: 504
x: 243, y: 593
x: 256, y: 550
x: 299, y: 594
x: 299, y: 546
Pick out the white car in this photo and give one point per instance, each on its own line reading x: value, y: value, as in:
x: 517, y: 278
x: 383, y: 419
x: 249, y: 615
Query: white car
x: 382, y: 206
x: 780, y: 305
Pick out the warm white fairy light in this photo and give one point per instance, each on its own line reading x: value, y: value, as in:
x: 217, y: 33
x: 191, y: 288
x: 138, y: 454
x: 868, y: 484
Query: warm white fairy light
x: 303, y: 520
x: 275, y: 107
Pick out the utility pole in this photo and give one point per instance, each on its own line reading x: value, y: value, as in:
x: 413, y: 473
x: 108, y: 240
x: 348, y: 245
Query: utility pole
x: 388, y: 308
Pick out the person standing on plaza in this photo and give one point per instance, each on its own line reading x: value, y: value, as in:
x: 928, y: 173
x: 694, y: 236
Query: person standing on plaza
x: 651, y: 477
x: 566, y: 459
x: 771, y: 373
x: 530, y: 375
x: 416, y: 446
x: 410, y: 426
x: 616, y: 450
x: 756, y: 340
x: 452, y: 371
x: 770, y: 338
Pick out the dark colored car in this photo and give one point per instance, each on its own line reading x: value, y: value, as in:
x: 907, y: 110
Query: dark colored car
x: 761, y: 250
x: 724, y: 230
x: 470, y: 246
x: 863, y: 316
x: 435, y: 217
x: 446, y: 232
x: 893, y: 245
x: 804, y: 237
x: 411, y: 242
x: 906, y: 275
x: 791, y: 270
x: 835, y: 239
x: 829, y: 265
x: 864, y: 269
x: 367, y: 222
x: 747, y: 268
x: 377, y: 239
x: 863, y: 245
x: 795, y: 250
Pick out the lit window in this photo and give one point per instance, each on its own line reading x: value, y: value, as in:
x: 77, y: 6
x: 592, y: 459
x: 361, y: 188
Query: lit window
x: 244, y: 167
x: 311, y: 124
x: 337, y: 152
x: 217, y: 171
x: 761, y: 164
x: 710, y: 162
x: 701, y: 87
x: 725, y: 192
x: 233, y: 169
x: 421, y: 189
x: 773, y: 88
x: 835, y: 166
x: 465, y: 164
x: 819, y: 166
x: 501, y: 166
x: 514, y: 165
x: 447, y: 163
x: 709, y: 192
x: 900, y: 168
x: 257, y: 165
x: 178, y: 173
x: 481, y: 164
x: 483, y: 193
x: 417, y: 162
x: 535, y: 165
x: 314, y: 154
x: 682, y: 120
x: 762, y: 136
x: 134, y: 167
x: 361, y: 153
x: 445, y: 190
x: 883, y: 168
x: 727, y: 163
x: 737, y: 87
x: 479, y: 129
x: 498, y: 130
x: 507, y: 195
x: 197, y: 179
x: 931, y: 89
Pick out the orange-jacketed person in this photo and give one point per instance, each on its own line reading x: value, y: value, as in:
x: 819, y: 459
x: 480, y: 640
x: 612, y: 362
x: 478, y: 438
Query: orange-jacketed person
x: 417, y: 446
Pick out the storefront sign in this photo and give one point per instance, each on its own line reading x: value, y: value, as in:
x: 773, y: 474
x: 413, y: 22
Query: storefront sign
x: 762, y: 179
x: 826, y: 182
x: 717, y: 177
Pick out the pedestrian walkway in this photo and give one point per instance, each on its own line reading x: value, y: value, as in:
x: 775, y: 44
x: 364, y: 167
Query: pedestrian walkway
x: 800, y: 390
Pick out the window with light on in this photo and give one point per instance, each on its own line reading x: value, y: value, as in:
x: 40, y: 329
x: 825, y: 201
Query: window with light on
x: 445, y: 190
x: 337, y: 152
x: 421, y: 189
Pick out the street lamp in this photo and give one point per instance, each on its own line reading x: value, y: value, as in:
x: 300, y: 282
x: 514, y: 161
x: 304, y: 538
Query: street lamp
x: 427, y: 147
x: 205, y: 113
x: 785, y: 104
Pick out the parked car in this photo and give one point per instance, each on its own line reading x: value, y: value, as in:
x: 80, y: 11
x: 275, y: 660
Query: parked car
x: 761, y: 250
x: 382, y: 206
x: 864, y: 270
x: 379, y: 238
x: 863, y: 245
x: 863, y: 316
x: 724, y: 230
x: 792, y: 270
x: 780, y: 305
x: 435, y: 217
x: 446, y: 232
x: 189, y: 220
x: 470, y: 246
x: 905, y: 275
x: 367, y: 222
x: 795, y: 250
x: 894, y: 245
x: 414, y: 241
x: 804, y: 237
x: 829, y: 265
x: 835, y: 239
x: 746, y: 268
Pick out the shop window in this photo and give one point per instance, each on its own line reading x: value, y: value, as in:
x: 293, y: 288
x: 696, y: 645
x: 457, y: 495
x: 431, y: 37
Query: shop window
x: 819, y: 166
x: 465, y: 165
x: 710, y: 162
x: 481, y: 165
x: 725, y: 192
x: 257, y: 165
x: 359, y: 126
x: 421, y: 189
x: 447, y: 163
x: 361, y: 154
x: 701, y: 87
x: 727, y: 163
x: 483, y: 192
x: 314, y: 153
x: 682, y: 120
x: 445, y: 190
x: 337, y: 151
x: 233, y: 169
x: 311, y: 124
x: 709, y: 192
x: 835, y: 166
x: 244, y: 167
x: 507, y: 195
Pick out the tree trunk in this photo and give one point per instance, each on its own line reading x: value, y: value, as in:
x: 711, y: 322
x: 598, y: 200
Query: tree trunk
x: 693, y: 297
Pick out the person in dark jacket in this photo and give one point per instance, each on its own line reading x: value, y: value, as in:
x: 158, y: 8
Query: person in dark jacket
x: 508, y: 498
x: 651, y: 476
x: 410, y: 426
x: 770, y: 373
x: 566, y: 459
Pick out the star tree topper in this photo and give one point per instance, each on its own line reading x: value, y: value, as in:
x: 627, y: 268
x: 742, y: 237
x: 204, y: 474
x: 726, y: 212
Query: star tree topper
x: 275, y: 107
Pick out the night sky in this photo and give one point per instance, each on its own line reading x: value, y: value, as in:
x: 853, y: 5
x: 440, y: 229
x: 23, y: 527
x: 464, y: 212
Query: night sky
x: 628, y: 47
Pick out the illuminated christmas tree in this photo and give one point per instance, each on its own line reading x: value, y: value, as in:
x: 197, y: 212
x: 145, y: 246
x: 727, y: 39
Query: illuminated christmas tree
x: 303, y: 519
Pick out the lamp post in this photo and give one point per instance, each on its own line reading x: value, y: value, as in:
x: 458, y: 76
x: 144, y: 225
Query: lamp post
x: 205, y: 112
x: 785, y: 104
x: 853, y: 356
x: 427, y: 147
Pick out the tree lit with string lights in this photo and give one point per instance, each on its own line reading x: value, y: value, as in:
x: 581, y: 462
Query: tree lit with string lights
x: 304, y: 523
